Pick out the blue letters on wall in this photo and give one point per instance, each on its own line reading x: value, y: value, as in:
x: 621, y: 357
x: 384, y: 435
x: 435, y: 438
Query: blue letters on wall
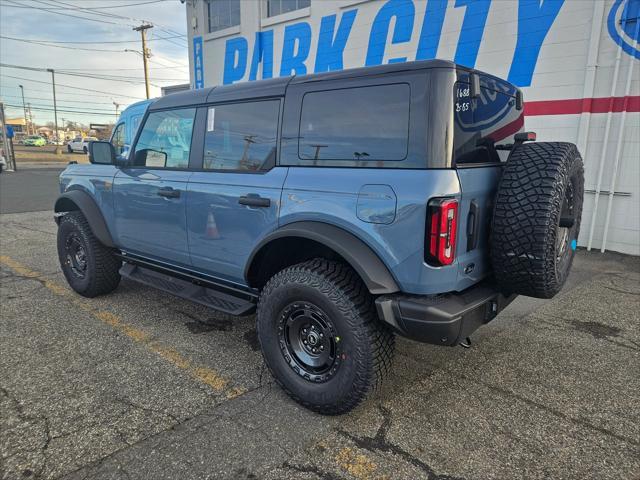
x: 534, y: 22
x: 331, y: 49
x: 535, y: 18
x: 262, y: 52
x: 295, y: 50
x: 236, y: 48
x: 475, y: 19
x: 404, y: 13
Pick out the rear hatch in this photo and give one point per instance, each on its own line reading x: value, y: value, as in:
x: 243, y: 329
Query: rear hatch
x: 486, y: 118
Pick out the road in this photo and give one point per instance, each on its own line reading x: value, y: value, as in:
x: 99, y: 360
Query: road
x: 140, y: 385
x: 29, y: 189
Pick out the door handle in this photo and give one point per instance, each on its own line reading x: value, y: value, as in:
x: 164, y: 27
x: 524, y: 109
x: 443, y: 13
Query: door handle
x: 168, y: 192
x: 254, y: 201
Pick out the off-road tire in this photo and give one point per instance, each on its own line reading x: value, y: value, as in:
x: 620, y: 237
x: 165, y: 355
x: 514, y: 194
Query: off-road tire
x: 526, y: 218
x: 102, y: 266
x: 367, y: 343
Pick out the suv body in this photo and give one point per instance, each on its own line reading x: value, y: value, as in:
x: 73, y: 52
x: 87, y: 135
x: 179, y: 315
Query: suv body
x: 80, y: 144
x: 391, y: 171
x: 125, y: 130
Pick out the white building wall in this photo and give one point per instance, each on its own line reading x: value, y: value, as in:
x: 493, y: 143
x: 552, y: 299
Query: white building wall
x: 577, y: 60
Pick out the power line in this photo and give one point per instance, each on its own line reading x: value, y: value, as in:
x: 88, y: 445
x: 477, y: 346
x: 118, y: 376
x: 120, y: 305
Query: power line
x: 13, y: 5
x: 64, y: 93
x: 45, y: 44
x: 83, y: 102
x: 126, y: 5
x: 113, y: 78
x: 71, y: 86
x: 45, y: 109
x: 77, y: 42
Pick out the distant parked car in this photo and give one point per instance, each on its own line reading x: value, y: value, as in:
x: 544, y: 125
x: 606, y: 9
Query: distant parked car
x: 80, y: 144
x: 35, y: 141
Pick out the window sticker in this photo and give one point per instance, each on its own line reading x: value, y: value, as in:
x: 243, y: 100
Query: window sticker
x: 211, y: 120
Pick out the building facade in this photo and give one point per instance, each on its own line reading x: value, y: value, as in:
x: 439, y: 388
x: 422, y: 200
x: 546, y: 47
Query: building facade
x: 576, y: 61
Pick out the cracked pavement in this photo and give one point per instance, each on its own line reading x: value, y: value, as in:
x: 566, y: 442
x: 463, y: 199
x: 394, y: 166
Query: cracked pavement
x: 139, y: 385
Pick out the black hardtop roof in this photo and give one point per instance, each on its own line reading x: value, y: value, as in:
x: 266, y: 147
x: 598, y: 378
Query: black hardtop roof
x: 276, y: 87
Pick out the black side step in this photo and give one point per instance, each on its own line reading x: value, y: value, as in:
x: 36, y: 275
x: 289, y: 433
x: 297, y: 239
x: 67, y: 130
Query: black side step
x: 182, y: 288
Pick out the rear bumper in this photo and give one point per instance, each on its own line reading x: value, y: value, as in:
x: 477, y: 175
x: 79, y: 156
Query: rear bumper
x: 444, y: 319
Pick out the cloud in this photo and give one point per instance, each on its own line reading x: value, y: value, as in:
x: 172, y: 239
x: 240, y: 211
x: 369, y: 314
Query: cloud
x: 63, y: 26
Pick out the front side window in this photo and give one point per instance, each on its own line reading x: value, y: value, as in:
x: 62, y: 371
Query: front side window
x: 223, y: 14
x: 117, y: 139
x: 278, y: 7
x: 241, y: 136
x: 357, y: 124
x: 165, y: 139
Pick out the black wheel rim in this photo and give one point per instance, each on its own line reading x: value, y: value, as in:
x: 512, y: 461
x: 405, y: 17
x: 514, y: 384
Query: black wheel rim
x: 309, y: 341
x: 76, y: 255
x: 565, y: 226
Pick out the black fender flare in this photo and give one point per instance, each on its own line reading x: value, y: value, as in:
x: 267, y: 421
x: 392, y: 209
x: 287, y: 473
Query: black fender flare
x: 80, y: 200
x: 359, y: 255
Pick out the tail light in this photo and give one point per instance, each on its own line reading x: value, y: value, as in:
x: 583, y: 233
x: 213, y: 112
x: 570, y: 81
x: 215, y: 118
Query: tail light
x: 442, y: 225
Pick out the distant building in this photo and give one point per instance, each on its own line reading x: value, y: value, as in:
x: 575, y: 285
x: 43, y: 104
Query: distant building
x: 174, y: 89
x: 19, y: 128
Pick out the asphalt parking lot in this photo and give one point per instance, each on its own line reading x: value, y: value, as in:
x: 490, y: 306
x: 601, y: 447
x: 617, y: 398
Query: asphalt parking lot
x: 41, y: 183
x: 138, y: 385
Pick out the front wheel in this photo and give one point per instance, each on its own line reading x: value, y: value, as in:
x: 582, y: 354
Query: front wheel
x: 320, y: 336
x: 84, y: 149
x: 90, y: 268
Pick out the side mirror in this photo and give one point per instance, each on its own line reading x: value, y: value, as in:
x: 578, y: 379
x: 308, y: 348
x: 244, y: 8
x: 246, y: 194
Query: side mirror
x: 101, y: 153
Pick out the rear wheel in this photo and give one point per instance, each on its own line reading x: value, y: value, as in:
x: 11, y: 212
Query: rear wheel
x: 536, y: 219
x: 90, y: 268
x: 69, y: 149
x: 320, y: 336
x: 85, y: 150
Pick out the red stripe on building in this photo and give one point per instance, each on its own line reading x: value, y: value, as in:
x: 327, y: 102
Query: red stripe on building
x: 508, y: 129
x: 576, y: 106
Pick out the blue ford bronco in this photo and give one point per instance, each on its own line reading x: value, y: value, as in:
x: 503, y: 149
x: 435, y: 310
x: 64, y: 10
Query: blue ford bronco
x: 346, y: 207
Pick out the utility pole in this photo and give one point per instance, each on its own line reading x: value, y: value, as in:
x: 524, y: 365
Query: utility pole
x: 116, y: 104
x: 33, y: 128
x: 55, y: 109
x: 145, y: 52
x: 24, y: 106
x: 7, y: 142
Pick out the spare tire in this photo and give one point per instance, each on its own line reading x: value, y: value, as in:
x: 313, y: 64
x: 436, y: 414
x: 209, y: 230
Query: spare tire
x: 536, y: 218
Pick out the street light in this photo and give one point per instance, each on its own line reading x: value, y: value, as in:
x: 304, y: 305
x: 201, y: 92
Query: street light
x: 24, y: 106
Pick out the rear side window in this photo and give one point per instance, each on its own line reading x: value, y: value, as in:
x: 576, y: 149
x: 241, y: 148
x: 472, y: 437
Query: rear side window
x: 165, y: 139
x: 366, y: 123
x: 241, y: 136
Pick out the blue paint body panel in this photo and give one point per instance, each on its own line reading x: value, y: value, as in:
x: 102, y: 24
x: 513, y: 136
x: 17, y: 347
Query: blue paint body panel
x: 376, y: 204
x: 333, y: 198
x: 147, y: 223
x: 223, y: 233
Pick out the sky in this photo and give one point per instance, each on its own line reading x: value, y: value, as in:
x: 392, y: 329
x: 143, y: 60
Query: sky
x: 108, y: 23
